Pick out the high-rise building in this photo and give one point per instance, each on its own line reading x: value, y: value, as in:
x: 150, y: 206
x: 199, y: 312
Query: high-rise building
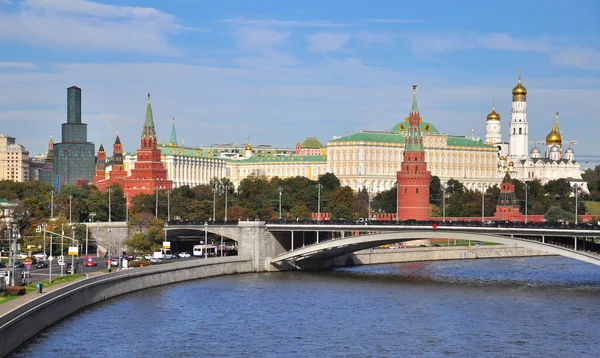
x: 413, y: 177
x: 14, y: 160
x: 74, y: 156
x: 46, y: 173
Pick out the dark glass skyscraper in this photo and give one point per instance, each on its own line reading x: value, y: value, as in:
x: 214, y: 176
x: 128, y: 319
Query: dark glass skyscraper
x: 74, y: 156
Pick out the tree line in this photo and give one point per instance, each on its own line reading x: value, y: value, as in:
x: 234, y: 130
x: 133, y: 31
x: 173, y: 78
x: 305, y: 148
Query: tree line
x: 259, y: 197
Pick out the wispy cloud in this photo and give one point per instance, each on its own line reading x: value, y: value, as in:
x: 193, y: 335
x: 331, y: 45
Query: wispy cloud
x: 498, y: 41
x: 393, y: 21
x: 264, y: 43
x: 90, y: 25
x: 17, y: 65
x: 577, y: 58
x: 242, y: 21
x: 327, y: 42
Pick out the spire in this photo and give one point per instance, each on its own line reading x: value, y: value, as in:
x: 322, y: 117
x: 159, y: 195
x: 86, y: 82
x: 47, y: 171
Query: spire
x: 173, y: 141
x: 415, y: 107
x: 51, y: 142
x: 118, y: 140
x: 50, y: 154
x: 149, y: 130
x: 101, y: 149
x: 556, y: 124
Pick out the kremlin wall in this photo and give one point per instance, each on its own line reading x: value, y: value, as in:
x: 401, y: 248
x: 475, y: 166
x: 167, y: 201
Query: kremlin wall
x: 410, y: 153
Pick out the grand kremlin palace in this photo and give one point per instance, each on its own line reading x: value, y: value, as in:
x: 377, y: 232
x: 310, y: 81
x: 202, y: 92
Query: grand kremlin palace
x: 370, y: 159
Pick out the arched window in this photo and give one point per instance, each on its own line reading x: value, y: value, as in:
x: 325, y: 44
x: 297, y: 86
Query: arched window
x: 520, y: 130
x: 405, y: 191
x: 417, y: 190
x: 514, y: 131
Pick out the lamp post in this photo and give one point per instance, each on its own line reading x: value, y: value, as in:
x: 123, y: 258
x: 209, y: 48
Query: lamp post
x: 168, y: 205
x: 14, y: 253
x: 319, y: 204
x: 576, y: 195
x: 109, y: 221
x: 73, y: 256
x: 44, y: 224
x: 70, y: 203
x: 280, y: 190
x: 214, y: 190
x: 526, y: 187
x: 51, y: 204
x: 205, y: 251
x: 397, y: 202
x: 444, y: 187
x: 226, y: 192
x: 482, y: 202
x: 126, y: 207
x: 50, y: 259
x: 369, y: 200
x: 156, y: 204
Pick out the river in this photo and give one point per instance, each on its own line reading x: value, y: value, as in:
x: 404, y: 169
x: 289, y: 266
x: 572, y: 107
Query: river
x: 523, y: 307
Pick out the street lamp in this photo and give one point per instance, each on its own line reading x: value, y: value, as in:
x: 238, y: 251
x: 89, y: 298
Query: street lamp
x: 70, y: 202
x: 127, y: 207
x: 482, y: 185
x: 526, y: 187
x: 168, y: 205
x: 72, y: 256
x: 444, y: 187
x: 280, y: 190
x: 15, y: 237
x: 52, y: 204
x: 226, y: 192
x: 205, y: 251
x: 214, y: 190
x: 156, y: 204
x: 576, y: 187
x: 319, y: 204
x: 44, y: 224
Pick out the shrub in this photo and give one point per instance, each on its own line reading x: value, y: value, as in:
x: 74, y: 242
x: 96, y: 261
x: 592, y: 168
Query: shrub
x: 139, y: 263
x: 15, y: 290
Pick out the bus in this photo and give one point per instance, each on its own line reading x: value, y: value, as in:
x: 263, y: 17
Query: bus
x: 204, y: 250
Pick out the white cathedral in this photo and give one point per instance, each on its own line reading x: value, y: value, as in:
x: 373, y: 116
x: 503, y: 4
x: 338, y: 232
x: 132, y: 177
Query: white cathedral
x: 514, y: 156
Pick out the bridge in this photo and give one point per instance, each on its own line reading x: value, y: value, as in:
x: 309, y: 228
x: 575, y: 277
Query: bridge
x: 292, y: 245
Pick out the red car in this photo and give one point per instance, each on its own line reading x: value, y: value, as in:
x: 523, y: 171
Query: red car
x: 91, y: 264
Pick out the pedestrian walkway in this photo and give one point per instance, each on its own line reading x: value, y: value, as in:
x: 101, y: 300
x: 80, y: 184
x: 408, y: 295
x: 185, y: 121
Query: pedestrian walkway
x: 18, y: 302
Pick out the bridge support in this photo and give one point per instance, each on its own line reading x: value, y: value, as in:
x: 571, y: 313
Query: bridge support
x: 292, y: 246
x: 543, y: 239
x: 575, y: 243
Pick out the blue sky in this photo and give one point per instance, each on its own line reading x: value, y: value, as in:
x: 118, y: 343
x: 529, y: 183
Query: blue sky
x: 280, y: 71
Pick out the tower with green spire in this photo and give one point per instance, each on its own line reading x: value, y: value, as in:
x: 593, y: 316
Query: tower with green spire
x: 100, y: 164
x: 173, y: 141
x: 413, y: 177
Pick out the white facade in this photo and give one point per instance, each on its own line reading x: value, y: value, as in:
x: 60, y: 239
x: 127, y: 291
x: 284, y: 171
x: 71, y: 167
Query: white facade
x: 519, y: 128
x: 14, y: 160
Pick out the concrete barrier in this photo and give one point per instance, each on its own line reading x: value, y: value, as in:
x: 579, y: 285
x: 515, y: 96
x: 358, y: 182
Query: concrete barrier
x: 24, y: 322
x: 386, y: 256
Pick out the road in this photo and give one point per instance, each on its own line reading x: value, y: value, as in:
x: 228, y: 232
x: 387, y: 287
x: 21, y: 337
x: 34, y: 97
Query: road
x: 38, y: 275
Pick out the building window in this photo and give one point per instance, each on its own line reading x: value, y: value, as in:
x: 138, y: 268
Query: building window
x: 417, y: 190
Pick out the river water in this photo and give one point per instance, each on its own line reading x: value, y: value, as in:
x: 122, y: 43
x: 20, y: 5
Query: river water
x: 523, y: 307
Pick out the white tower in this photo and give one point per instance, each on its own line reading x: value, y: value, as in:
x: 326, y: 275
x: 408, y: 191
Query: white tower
x: 493, y: 129
x: 248, y: 149
x: 518, y: 147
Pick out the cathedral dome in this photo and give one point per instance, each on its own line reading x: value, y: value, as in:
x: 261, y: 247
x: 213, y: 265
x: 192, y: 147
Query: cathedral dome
x: 248, y: 147
x: 553, y: 137
x: 493, y: 116
x: 511, y: 164
x: 502, y: 158
x: 535, y: 150
x: 519, y: 90
x: 554, y: 149
x: 569, y: 151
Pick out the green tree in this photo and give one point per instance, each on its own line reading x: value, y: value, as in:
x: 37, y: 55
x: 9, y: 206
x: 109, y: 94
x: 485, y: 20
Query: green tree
x: 557, y: 214
x: 385, y: 201
x: 341, y: 203
x: 435, y: 190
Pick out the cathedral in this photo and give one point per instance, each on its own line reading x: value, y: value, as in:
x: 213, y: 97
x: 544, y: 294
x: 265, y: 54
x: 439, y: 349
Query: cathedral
x: 549, y: 163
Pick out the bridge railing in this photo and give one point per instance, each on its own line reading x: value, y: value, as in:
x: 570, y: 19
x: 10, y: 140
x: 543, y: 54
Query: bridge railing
x: 202, y: 222
x: 474, y: 223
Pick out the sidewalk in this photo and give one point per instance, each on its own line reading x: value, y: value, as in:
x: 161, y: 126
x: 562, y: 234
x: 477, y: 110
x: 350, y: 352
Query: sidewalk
x: 17, y: 302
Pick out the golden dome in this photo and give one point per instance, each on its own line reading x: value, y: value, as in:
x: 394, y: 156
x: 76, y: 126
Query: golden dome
x: 519, y: 90
x: 502, y: 158
x: 553, y: 138
x: 493, y: 116
x: 248, y: 146
x: 511, y: 164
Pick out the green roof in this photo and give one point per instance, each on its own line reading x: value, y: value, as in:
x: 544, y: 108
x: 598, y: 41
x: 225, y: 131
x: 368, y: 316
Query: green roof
x: 284, y: 159
x: 426, y: 127
x: 166, y: 149
x: 312, y: 142
x: 466, y: 142
x: 371, y: 137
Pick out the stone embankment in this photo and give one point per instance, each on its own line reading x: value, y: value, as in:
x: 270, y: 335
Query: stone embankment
x: 23, y: 322
x: 386, y: 256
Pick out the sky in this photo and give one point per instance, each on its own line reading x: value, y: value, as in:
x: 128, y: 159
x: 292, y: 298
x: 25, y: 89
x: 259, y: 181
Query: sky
x: 280, y: 71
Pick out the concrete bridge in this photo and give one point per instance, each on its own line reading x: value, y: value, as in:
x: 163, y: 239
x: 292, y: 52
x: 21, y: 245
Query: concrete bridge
x: 279, y: 246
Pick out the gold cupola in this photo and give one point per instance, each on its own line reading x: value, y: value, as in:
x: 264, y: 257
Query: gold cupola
x: 553, y: 138
x: 519, y: 92
x: 493, y: 116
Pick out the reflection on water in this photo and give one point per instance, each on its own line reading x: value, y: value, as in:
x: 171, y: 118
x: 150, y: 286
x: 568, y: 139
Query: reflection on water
x: 499, y: 308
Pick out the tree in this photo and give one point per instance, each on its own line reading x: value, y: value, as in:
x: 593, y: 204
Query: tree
x: 435, y: 190
x: 557, y: 214
x: 341, y: 203
x: 386, y: 201
x: 300, y: 212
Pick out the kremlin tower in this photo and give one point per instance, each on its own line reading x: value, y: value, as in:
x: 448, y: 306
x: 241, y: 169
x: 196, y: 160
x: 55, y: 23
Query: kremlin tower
x: 148, y: 173
x: 100, y: 166
x: 413, y: 177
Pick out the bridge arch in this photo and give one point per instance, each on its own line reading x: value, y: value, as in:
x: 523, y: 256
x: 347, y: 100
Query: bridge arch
x: 338, y: 247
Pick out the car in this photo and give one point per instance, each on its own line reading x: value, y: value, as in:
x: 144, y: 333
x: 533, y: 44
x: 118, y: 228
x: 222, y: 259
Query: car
x: 422, y: 245
x: 436, y: 245
x: 91, y: 263
x: 184, y: 254
x: 478, y: 243
x: 40, y: 256
x: 19, y: 264
x: 2, y: 265
x: 147, y: 257
x: 41, y: 264
x: 22, y: 255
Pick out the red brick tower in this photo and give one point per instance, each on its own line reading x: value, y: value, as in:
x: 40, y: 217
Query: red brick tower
x: 508, y: 205
x: 149, y: 172
x: 413, y: 177
x: 100, y: 173
x: 117, y: 172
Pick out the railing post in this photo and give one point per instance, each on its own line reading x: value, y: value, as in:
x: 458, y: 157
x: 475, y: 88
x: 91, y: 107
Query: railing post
x: 575, y: 243
x: 292, y: 247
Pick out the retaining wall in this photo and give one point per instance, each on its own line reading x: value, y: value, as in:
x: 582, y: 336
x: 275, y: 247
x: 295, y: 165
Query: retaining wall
x: 24, y: 322
x: 386, y: 256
